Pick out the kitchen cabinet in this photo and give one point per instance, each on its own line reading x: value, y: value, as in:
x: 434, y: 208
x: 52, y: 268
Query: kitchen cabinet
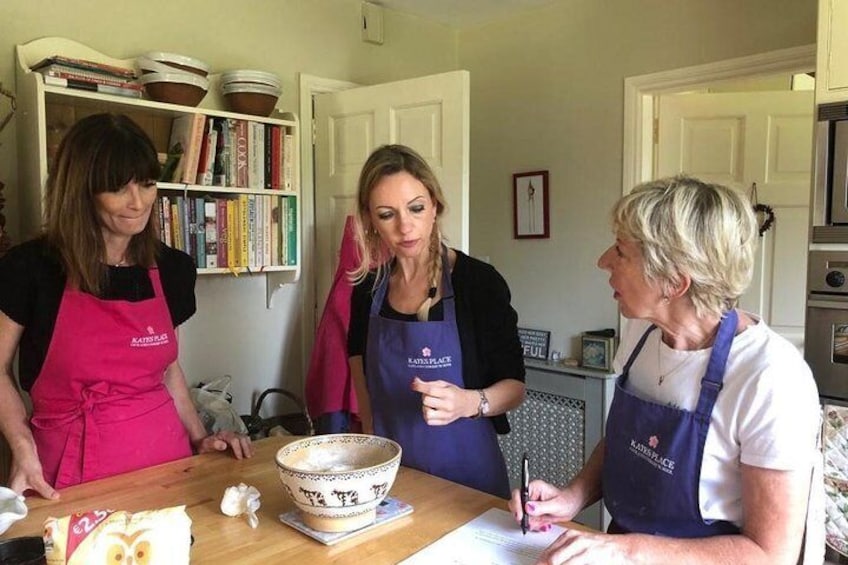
x: 832, y: 52
x: 45, y: 112
x: 559, y: 424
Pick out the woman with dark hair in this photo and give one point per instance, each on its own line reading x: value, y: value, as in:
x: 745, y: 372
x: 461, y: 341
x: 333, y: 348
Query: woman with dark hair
x: 433, y: 342
x: 91, y: 308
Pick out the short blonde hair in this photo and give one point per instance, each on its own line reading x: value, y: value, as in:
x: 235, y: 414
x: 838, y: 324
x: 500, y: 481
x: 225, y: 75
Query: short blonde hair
x: 688, y: 227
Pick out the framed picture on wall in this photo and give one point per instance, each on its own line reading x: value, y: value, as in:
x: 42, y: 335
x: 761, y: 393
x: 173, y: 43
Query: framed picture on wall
x: 598, y: 352
x: 530, y: 205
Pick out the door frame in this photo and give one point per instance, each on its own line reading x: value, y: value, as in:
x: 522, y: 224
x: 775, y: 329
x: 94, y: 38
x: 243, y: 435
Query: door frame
x: 308, y: 87
x: 639, y: 93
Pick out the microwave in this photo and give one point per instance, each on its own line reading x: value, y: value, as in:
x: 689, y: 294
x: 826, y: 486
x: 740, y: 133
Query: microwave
x: 829, y: 210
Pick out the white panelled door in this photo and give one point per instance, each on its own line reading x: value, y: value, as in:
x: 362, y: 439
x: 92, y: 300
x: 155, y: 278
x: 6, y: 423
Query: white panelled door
x: 738, y: 139
x: 429, y: 114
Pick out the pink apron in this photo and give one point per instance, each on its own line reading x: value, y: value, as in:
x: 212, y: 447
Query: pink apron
x: 100, y: 406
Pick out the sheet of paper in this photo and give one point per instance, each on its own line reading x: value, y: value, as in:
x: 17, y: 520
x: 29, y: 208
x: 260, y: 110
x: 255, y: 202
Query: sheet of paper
x: 493, y: 538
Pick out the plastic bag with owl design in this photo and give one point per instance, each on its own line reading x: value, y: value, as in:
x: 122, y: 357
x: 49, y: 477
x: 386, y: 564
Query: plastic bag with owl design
x: 151, y: 537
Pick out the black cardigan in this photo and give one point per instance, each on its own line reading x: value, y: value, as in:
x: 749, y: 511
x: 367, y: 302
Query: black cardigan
x: 487, y: 323
x: 32, y: 282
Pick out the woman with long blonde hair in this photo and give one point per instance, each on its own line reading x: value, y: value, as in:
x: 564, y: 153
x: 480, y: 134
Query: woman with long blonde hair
x: 433, y: 343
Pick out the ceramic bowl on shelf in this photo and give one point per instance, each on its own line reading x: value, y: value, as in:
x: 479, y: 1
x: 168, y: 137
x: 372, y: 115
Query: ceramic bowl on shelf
x: 251, y: 98
x: 337, y: 480
x: 175, y: 88
x: 251, y: 76
x: 175, y: 62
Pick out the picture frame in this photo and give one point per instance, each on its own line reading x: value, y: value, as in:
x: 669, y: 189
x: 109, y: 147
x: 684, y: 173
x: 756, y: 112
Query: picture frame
x: 531, y: 216
x: 535, y: 343
x: 597, y: 352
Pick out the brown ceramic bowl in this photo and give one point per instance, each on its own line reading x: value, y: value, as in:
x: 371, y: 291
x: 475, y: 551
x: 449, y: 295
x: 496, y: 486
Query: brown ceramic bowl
x: 175, y: 88
x: 248, y: 98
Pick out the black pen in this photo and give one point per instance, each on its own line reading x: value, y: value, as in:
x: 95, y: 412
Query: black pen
x: 525, y: 492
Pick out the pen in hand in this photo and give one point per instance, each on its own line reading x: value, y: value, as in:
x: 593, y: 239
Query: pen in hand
x: 525, y: 492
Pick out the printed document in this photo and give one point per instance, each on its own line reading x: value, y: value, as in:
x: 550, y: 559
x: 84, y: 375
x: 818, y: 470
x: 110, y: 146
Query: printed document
x: 493, y: 538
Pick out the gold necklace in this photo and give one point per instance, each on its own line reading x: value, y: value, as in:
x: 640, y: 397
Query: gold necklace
x: 662, y: 375
x: 690, y: 354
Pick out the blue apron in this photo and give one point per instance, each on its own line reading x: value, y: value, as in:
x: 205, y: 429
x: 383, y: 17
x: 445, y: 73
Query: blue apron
x: 465, y: 451
x: 653, y: 453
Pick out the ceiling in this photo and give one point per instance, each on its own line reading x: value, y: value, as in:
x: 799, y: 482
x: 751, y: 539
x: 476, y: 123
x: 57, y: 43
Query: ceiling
x: 461, y: 13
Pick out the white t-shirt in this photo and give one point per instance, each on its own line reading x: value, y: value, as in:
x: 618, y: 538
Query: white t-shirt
x: 766, y: 415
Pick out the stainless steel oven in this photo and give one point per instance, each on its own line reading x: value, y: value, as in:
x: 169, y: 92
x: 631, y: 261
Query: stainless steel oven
x: 830, y: 175
x: 826, y: 336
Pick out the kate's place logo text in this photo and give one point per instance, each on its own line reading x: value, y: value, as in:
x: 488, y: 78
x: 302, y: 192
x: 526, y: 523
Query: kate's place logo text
x: 648, y: 453
x: 427, y: 361
x: 152, y: 340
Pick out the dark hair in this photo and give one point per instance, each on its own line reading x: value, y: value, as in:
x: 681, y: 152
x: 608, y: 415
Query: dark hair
x: 100, y: 153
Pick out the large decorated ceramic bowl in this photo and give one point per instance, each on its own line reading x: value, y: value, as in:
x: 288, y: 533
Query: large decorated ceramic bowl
x: 337, y: 480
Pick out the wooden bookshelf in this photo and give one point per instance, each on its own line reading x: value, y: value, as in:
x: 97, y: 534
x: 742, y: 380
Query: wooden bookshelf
x: 45, y: 112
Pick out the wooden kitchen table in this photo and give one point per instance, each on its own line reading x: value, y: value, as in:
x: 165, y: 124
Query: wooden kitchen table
x: 199, y: 482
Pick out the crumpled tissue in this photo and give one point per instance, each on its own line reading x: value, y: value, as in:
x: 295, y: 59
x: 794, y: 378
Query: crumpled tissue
x: 241, y: 499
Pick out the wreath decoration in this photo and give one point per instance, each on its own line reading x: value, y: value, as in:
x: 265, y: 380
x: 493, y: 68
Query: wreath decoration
x: 765, y: 212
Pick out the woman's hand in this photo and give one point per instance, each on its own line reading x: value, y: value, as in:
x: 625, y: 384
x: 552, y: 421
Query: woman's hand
x: 578, y: 547
x: 223, y: 440
x: 443, y: 402
x: 546, y: 504
x: 27, y: 474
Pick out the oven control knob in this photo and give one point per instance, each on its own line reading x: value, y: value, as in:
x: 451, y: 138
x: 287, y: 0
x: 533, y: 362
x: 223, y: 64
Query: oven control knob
x: 835, y: 279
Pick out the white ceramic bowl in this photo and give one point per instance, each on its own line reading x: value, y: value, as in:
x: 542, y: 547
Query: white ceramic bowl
x: 337, y: 480
x: 251, y: 76
x: 12, y: 508
x: 177, y: 61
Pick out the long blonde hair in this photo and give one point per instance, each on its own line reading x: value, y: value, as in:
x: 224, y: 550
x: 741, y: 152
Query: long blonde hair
x: 100, y: 153
x: 385, y: 161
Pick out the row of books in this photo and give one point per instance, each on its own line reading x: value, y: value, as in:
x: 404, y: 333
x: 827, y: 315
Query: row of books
x: 88, y: 75
x: 211, y: 151
x: 250, y: 231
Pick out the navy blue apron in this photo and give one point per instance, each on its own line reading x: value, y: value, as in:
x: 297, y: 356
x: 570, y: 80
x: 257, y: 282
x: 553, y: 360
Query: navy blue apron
x: 653, y: 453
x: 465, y: 451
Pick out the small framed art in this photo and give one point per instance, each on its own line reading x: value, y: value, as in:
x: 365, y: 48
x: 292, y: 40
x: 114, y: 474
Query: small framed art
x: 598, y: 352
x: 530, y: 205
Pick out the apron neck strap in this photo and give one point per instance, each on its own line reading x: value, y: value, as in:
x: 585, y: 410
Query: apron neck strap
x: 712, y: 382
x: 447, y: 287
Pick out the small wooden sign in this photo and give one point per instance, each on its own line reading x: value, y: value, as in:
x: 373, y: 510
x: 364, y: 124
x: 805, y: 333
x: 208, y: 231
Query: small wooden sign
x: 535, y: 343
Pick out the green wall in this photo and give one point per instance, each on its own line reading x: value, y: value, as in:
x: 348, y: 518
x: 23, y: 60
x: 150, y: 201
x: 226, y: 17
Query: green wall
x: 233, y: 332
x: 547, y: 94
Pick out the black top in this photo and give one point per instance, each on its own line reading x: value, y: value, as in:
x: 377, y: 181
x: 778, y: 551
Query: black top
x: 487, y: 323
x: 32, y: 281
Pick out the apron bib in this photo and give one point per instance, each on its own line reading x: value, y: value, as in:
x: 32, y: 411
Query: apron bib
x: 100, y: 406
x: 465, y: 451
x: 653, y: 454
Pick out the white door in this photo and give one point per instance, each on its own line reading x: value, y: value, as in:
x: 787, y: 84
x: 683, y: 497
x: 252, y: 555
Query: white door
x: 429, y: 114
x: 738, y: 139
